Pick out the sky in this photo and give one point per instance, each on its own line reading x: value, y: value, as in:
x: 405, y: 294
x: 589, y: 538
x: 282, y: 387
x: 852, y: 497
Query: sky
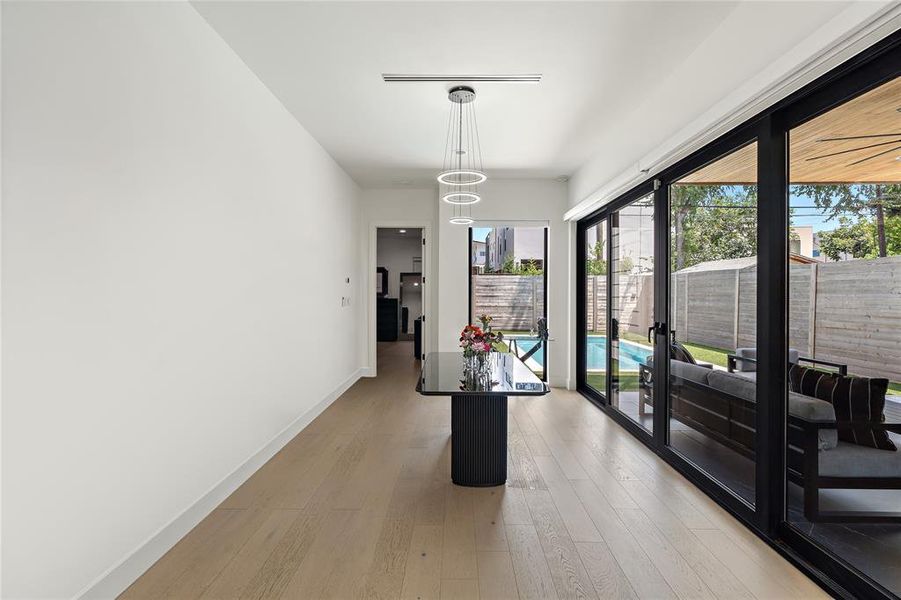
x: 480, y: 233
x: 805, y: 213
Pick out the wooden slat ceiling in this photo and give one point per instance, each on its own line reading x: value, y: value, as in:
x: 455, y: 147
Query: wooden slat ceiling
x: 859, y: 160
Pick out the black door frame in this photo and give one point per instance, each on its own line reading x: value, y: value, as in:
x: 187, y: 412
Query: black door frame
x: 601, y: 398
x: 869, y: 69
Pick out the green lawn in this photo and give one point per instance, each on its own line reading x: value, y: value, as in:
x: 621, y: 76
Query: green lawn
x: 627, y: 383
x: 708, y: 354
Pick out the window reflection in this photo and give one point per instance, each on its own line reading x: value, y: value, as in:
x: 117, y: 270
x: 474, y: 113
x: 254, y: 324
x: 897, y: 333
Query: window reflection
x: 845, y: 332
x: 596, y: 265
x: 713, y: 320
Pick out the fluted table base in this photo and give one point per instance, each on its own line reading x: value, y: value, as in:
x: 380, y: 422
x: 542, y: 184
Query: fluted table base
x: 479, y: 440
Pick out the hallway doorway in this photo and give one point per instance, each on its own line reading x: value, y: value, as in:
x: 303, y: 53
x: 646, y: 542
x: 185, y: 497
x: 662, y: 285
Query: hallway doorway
x: 399, y: 288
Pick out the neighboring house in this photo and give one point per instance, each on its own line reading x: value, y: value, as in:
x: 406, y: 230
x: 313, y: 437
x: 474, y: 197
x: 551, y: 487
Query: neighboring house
x: 519, y: 243
x: 479, y: 254
x: 804, y: 242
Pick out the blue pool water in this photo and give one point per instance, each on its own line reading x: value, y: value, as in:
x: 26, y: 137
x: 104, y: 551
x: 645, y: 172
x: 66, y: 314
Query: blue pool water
x: 630, y: 354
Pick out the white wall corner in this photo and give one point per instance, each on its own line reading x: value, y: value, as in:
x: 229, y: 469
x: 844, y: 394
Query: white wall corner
x: 121, y: 575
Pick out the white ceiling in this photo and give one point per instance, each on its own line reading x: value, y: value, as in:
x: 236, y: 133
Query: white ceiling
x: 324, y: 60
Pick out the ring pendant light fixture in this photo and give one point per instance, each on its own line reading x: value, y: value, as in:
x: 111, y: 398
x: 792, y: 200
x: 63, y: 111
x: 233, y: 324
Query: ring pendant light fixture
x: 462, y: 171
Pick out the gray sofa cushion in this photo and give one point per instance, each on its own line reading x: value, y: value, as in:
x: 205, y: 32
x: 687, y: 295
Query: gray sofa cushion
x: 689, y: 371
x: 733, y: 384
x: 854, y: 460
x: 815, y: 410
x: 802, y: 406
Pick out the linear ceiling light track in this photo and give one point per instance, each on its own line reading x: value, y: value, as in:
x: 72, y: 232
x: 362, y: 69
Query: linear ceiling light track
x: 414, y: 78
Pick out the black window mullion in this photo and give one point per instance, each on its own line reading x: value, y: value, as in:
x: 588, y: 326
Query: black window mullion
x: 544, y: 270
x: 772, y: 330
x: 608, y: 387
x: 581, y: 308
x: 661, y: 313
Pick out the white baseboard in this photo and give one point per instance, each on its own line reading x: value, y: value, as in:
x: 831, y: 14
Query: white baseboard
x: 118, y: 577
x: 558, y: 382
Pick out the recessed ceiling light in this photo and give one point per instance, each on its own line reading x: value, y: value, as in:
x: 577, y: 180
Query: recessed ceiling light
x: 402, y: 231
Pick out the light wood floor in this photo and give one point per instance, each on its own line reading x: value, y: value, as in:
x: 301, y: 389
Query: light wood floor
x: 360, y: 505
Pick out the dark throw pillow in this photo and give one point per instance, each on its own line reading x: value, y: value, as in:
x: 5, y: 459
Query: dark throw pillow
x: 855, y: 399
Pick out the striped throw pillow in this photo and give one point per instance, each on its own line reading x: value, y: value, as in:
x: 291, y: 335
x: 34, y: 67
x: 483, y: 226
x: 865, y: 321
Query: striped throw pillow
x: 855, y: 399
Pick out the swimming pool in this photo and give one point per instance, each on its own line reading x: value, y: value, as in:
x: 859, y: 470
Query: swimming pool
x: 630, y: 353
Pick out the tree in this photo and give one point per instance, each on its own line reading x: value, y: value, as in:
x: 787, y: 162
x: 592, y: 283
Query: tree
x: 594, y: 262
x: 626, y: 264
x: 529, y: 267
x: 861, y: 239
x: 877, y: 201
x: 713, y: 222
x: 848, y: 239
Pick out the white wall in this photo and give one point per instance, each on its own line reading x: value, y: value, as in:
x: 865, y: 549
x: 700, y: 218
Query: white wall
x: 506, y: 202
x: 163, y: 219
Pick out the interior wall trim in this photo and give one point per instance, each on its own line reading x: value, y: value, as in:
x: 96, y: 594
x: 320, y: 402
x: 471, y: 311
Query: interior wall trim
x: 118, y: 577
x: 814, y: 61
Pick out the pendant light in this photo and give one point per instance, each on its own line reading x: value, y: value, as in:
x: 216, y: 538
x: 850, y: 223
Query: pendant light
x: 462, y: 169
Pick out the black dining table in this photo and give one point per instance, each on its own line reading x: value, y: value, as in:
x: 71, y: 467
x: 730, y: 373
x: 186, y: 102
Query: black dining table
x: 478, y: 411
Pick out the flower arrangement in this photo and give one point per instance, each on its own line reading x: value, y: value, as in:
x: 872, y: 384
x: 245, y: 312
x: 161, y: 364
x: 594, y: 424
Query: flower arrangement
x: 478, y: 343
x: 481, y: 340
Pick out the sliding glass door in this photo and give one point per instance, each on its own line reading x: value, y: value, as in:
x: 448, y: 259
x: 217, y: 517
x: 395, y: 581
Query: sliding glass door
x: 632, y: 311
x: 593, y: 344
x: 616, y: 292
x: 739, y: 314
x: 843, y: 481
x: 713, y: 287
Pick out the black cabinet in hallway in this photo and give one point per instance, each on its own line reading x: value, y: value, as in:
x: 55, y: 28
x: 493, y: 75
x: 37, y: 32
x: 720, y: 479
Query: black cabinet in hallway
x: 386, y: 320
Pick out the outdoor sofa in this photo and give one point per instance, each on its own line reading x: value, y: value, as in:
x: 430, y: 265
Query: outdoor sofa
x: 722, y: 405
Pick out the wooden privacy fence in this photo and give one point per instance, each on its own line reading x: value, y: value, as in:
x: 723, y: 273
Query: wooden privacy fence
x: 847, y: 311
x: 514, y: 301
x: 633, y: 302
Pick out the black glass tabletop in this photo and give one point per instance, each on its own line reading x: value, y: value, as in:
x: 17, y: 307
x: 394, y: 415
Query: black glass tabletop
x: 443, y: 374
